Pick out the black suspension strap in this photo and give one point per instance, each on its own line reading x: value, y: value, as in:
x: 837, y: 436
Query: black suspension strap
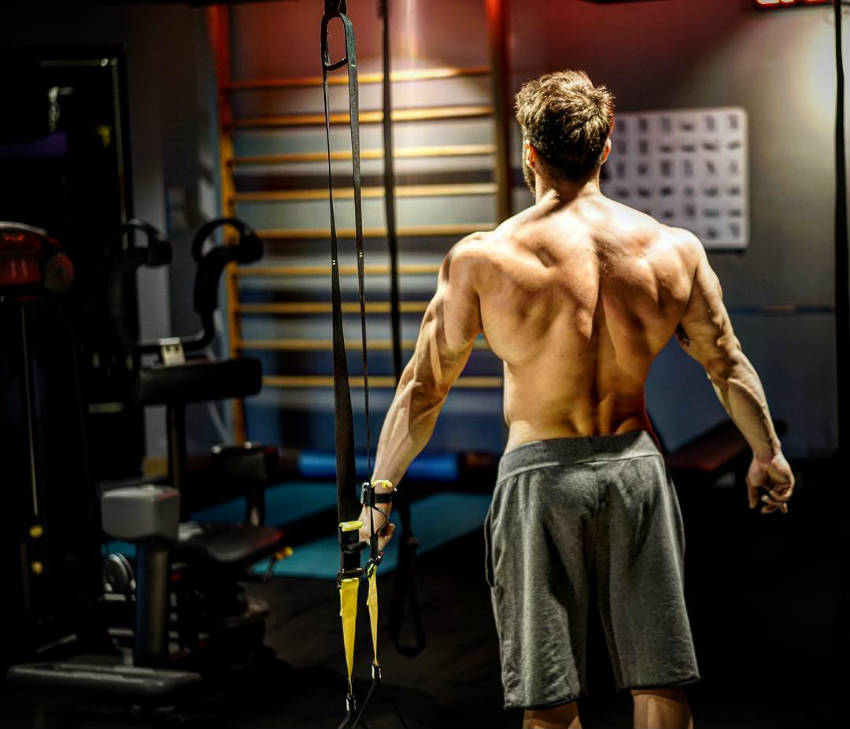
x: 842, y: 255
x: 405, y: 579
x: 350, y: 572
x: 841, y: 621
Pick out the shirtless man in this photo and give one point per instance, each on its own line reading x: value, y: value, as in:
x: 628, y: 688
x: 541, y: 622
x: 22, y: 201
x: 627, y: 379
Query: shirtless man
x: 577, y: 295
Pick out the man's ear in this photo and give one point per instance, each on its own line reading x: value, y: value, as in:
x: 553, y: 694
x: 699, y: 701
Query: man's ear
x: 530, y: 152
x: 606, y: 152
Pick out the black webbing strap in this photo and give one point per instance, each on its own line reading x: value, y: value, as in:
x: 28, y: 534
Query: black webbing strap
x: 389, y: 190
x: 842, y: 255
x: 841, y: 621
x: 347, y: 502
x: 348, y: 506
x: 405, y: 579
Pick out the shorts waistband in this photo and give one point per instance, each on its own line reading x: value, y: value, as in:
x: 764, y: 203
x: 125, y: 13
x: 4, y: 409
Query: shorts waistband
x: 566, y: 451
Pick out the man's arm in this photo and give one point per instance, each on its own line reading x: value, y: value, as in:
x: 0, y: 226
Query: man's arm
x: 705, y: 333
x: 450, y: 325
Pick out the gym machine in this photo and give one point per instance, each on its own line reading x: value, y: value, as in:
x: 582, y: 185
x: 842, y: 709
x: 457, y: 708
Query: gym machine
x: 214, y: 615
x: 56, y: 529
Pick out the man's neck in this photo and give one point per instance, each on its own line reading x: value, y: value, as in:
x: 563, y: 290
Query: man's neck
x: 564, y: 192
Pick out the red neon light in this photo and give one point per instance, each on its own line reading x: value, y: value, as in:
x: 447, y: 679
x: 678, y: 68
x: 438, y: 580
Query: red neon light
x: 789, y: 3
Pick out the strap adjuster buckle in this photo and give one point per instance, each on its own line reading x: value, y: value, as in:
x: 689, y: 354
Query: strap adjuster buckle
x: 368, y: 497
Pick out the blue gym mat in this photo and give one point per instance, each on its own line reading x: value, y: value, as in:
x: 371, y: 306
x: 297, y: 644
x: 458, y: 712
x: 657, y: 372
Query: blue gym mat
x: 426, y: 467
x: 436, y: 520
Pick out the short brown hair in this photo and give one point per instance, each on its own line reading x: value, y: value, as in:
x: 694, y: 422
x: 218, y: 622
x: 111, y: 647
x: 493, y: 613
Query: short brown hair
x: 568, y: 120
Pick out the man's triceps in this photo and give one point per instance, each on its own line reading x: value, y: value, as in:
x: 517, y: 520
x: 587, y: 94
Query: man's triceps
x: 445, y: 341
x: 706, y: 334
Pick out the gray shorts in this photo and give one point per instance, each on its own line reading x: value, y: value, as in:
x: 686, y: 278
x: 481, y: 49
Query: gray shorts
x: 578, y: 519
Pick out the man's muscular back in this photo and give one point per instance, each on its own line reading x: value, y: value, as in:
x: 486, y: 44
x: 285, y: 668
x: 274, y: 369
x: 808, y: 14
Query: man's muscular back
x: 577, y: 295
x: 578, y: 299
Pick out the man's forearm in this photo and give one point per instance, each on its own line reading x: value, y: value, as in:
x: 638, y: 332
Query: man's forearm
x: 408, y: 426
x: 741, y: 393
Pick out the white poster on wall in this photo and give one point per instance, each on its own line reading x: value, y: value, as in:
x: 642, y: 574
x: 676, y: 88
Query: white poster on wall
x: 686, y: 168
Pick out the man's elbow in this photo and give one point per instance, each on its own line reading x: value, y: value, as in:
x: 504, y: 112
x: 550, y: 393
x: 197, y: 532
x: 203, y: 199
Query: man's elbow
x: 723, y: 366
x: 427, y: 391
x: 436, y: 391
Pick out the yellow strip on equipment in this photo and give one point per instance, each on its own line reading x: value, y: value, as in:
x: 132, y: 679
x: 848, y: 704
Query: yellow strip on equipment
x: 348, y: 589
x: 372, y: 602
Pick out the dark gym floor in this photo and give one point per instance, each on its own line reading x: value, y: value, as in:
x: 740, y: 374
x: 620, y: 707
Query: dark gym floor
x: 763, y: 594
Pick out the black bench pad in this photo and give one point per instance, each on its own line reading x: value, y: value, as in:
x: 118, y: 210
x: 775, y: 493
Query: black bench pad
x: 199, y: 380
x: 231, y: 545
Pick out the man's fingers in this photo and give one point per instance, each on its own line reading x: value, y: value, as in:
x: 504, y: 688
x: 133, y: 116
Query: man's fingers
x: 771, y: 506
x: 752, y: 494
x: 385, y: 535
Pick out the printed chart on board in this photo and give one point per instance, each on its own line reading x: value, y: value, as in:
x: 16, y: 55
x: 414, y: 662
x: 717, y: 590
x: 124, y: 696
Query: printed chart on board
x: 687, y: 168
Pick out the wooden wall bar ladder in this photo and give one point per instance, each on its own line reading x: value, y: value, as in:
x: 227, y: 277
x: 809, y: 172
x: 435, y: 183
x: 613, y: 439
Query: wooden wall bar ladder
x: 232, y: 198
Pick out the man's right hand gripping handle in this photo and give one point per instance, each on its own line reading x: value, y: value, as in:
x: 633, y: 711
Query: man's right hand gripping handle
x: 774, y: 475
x: 705, y: 333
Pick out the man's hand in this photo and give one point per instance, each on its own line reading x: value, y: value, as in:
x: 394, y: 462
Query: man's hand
x: 383, y: 527
x: 774, y: 475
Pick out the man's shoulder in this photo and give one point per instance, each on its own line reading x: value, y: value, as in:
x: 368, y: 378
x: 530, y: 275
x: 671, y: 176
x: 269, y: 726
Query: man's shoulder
x: 467, y: 260
x: 475, y: 249
x: 682, y: 242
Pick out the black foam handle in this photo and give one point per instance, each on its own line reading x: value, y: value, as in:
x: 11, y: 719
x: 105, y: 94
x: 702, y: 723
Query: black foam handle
x: 212, y: 263
x: 158, y: 251
x: 247, y: 250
